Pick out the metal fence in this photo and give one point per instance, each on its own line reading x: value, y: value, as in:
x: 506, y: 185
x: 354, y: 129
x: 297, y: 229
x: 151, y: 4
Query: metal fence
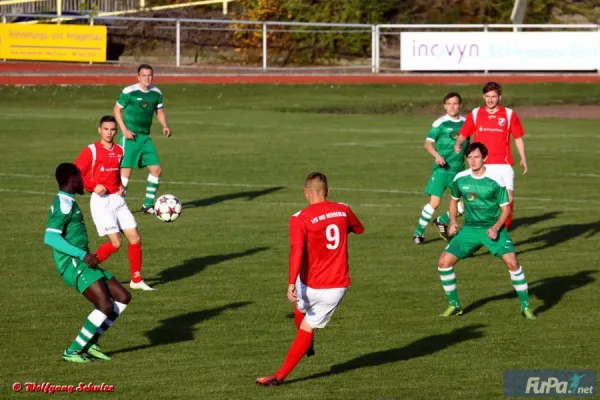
x: 264, y: 45
x: 42, y: 6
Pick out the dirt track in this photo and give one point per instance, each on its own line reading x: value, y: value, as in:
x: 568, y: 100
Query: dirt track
x: 22, y: 73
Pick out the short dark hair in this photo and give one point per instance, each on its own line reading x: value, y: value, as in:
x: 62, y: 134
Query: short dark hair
x: 107, y: 118
x: 145, y: 66
x: 65, y: 171
x: 451, y: 95
x: 477, y: 146
x: 317, y: 176
x: 491, y: 86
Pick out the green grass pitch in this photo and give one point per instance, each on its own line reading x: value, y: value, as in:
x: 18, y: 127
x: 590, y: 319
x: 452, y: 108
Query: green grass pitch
x: 220, y: 318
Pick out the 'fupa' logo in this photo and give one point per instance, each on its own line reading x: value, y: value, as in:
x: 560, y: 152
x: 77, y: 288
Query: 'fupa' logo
x: 550, y: 383
x: 554, y: 385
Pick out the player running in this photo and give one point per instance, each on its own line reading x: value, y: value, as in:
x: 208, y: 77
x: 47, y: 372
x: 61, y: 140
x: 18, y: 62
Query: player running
x: 318, y: 268
x: 99, y: 164
x: 486, y: 211
x: 440, y: 144
x: 134, y: 111
x: 67, y: 235
x: 492, y: 125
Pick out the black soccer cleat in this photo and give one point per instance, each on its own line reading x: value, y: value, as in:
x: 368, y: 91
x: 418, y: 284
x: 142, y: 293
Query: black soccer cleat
x: 442, y: 229
x: 418, y: 239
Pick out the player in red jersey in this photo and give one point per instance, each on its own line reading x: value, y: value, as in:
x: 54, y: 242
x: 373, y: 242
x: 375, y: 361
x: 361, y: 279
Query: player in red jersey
x: 492, y: 125
x: 318, y: 268
x: 100, y: 165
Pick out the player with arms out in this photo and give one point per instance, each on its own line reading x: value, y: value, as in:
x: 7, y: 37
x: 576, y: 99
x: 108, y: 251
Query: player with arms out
x: 492, y: 125
x: 99, y: 164
x: 486, y: 211
x: 134, y: 111
x: 67, y: 235
x: 440, y: 145
x: 318, y: 268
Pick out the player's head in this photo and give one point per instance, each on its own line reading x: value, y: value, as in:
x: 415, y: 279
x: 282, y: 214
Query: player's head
x: 315, y: 187
x: 452, y: 103
x: 107, y: 128
x: 476, y: 155
x: 492, y: 94
x: 69, y: 178
x: 145, y: 75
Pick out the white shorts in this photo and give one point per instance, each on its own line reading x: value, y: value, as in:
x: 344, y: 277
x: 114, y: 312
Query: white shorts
x: 110, y: 213
x: 318, y: 304
x: 505, y: 171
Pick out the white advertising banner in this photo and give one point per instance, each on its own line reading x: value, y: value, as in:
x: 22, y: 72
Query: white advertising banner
x: 499, y: 51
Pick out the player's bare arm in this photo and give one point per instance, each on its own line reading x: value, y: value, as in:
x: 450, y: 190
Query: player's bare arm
x: 91, y: 260
x: 493, y: 231
x: 291, y: 293
x: 520, y: 144
x: 459, y: 142
x: 119, y: 117
x: 162, y: 118
x: 430, y: 147
x: 453, y: 210
x: 100, y: 189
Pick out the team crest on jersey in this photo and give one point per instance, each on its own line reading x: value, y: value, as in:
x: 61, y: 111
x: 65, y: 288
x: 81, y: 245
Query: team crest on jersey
x: 454, y: 135
x: 501, y: 121
x: 471, y: 196
x: 144, y: 104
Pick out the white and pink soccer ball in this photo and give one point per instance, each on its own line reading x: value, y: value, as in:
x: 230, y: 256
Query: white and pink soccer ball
x: 168, y: 208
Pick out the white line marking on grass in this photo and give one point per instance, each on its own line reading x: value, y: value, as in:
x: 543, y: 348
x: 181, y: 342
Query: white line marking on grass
x: 267, y: 203
x: 584, y: 175
x: 341, y: 189
x: 270, y: 203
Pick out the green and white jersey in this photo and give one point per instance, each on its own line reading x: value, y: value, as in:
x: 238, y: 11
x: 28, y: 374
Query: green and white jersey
x: 65, y: 218
x: 444, y: 132
x: 139, y: 107
x: 483, y: 196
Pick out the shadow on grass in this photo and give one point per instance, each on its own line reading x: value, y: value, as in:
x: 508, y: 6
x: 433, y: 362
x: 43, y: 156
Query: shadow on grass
x: 194, y: 266
x: 549, y: 291
x: 556, y: 235
x: 419, y: 348
x: 180, y: 328
x: 248, y: 195
x: 536, y: 219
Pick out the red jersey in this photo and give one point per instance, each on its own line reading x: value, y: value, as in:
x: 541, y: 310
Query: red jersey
x: 319, y: 246
x: 494, y: 130
x: 99, y: 165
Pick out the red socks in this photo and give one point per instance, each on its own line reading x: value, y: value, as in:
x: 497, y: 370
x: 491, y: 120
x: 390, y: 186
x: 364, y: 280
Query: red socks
x: 135, y: 261
x: 105, y: 251
x: 298, y: 317
x: 295, y: 354
x: 509, y: 220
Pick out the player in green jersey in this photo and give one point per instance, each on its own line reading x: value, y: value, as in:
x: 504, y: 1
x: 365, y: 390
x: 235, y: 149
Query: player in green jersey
x: 134, y: 111
x: 67, y: 235
x: 486, y: 210
x: 440, y: 145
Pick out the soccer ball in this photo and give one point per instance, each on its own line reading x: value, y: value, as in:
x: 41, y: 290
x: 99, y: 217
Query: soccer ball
x: 168, y: 208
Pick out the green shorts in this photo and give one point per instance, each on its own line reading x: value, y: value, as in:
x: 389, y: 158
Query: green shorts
x: 439, y: 181
x: 80, y: 276
x: 139, y: 152
x: 470, y: 238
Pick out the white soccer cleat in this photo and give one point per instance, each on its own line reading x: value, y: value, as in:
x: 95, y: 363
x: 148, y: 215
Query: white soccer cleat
x: 140, y: 285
